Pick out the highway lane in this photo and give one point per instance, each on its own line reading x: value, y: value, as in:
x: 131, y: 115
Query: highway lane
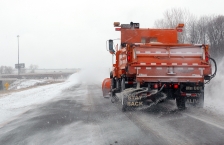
x: 80, y: 115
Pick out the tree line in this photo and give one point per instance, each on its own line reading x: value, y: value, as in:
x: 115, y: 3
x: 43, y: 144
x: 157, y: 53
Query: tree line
x: 197, y: 30
x: 10, y: 70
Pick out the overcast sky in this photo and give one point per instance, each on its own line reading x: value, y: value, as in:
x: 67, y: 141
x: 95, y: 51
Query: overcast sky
x: 73, y: 34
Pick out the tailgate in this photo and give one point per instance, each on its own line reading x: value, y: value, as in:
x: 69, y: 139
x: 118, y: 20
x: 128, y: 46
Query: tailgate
x: 170, y: 64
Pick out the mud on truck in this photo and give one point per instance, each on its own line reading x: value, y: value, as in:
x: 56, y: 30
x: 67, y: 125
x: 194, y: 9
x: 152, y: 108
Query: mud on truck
x: 150, y: 66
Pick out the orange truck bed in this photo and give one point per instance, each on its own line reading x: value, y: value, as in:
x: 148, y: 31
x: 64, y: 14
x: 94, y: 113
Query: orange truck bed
x: 154, y: 55
x: 167, y: 63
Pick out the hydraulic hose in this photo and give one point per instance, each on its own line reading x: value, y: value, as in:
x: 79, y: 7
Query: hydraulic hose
x: 213, y: 75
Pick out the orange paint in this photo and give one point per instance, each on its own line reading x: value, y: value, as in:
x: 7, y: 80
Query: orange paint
x: 155, y: 55
x: 106, y: 86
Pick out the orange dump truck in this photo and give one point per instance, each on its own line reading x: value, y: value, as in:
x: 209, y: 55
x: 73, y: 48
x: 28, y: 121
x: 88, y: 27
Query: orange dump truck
x: 150, y: 66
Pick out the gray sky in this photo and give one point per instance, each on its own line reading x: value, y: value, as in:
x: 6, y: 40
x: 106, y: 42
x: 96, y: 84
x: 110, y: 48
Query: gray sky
x: 73, y: 34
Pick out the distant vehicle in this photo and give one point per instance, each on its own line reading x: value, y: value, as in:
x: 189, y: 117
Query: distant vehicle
x: 151, y: 66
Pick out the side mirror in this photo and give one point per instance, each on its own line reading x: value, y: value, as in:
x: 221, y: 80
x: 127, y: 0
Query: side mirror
x: 111, y: 45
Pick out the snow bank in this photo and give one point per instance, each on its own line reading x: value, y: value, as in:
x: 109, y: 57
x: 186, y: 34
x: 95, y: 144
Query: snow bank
x: 25, y: 83
x: 16, y: 103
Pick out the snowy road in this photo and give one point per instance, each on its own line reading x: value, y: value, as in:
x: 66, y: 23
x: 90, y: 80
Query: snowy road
x: 76, y: 113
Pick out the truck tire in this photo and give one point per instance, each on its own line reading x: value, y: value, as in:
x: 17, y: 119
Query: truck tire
x: 124, y: 106
x: 180, y: 101
x: 112, y: 94
x: 123, y: 84
x: 201, y: 100
x: 111, y: 74
x: 118, y: 85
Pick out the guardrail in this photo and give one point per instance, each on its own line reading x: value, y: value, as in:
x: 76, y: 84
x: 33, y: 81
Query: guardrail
x: 54, y: 75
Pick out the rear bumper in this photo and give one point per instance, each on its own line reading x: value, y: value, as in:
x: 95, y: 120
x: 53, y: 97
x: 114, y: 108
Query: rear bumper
x: 146, y: 78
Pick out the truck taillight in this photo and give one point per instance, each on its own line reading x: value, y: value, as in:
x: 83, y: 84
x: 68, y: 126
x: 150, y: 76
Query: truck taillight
x: 206, y: 54
x: 193, y: 95
x: 117, y: 29
x: 183, y: 94
x: 175, y: 86
x: 155, y: 86
x: 130, y: 83
x: 129, y: 57
x: 206, y: 57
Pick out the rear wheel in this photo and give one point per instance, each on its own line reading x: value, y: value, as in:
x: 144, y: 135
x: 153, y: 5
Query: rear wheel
x: 118, y: 85
x: 111, y: 74
x: 200, y: 103
x: 122, y: 84
x: 112, y: 94
x: 180, y: 101
x: 124, y: 106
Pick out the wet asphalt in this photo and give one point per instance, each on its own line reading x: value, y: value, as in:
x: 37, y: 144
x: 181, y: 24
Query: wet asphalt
x: 81, y: 116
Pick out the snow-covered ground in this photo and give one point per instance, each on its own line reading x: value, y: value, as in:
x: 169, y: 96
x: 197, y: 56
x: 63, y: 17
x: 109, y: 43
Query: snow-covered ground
x: 26, y: 83
x: 15, y: 103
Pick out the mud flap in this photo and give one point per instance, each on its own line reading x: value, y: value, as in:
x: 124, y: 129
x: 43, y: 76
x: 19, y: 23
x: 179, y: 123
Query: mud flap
x: 196, y: 100
x: 133, y: 101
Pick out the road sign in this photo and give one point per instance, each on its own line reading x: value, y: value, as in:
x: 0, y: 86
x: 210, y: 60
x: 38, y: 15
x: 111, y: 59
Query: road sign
x: 6, y: 85
x: 21, y: 65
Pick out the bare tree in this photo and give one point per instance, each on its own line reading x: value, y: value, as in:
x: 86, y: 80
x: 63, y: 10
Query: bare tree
x: 203, y: 30
x: 209, y: 30
x: 6, y: 70
x: 33, y: 68
x: 22, y: 70
x: 197, y: 30
x: 2, y: 69
x: 172, y: 18
x: 215, y: 30
x: 160, y: 23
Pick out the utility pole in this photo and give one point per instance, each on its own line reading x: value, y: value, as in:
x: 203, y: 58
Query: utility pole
x: 18, y: 56
x: 193, y: 34
x: 204, y: 28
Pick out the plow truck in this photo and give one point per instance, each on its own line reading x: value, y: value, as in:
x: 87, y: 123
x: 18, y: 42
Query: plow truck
x: 150, y: 65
